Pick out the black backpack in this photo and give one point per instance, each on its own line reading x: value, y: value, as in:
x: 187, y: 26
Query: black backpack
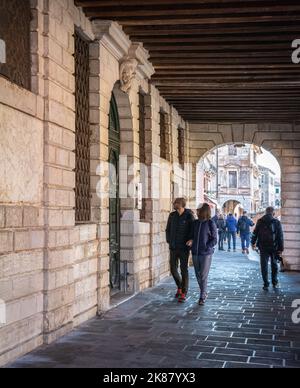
x: 243, y: 225
x: 267, y: 236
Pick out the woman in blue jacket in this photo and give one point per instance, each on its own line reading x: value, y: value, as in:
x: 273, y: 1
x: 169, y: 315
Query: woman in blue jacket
x: 205, y: 239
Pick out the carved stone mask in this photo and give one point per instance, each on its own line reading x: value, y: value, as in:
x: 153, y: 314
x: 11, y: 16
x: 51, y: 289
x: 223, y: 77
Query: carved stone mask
x: 127, y: 73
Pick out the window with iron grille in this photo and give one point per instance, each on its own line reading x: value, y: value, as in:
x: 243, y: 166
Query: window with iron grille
x: 181, y: 145
x: 142, y: 128
x: 15, y: 18
x: 82, y: 151
x: 142, y: 139
x: 163, y: 135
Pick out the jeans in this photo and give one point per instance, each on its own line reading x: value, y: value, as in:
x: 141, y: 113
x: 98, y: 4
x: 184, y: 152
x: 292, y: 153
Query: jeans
x: 202, y: 266
x: 182, y: 257
x: 264, y: 261
x: 245, y: 237
x: 233, y: 236
x: 221, y: 240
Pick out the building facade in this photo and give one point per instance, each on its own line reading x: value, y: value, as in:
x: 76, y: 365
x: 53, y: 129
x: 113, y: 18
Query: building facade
x: 230, y: 175
x: 267, y: 186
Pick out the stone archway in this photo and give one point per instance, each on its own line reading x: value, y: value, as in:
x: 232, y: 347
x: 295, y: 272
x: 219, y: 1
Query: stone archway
x: 281, y: 140
x: 231, y: 207
x: 128, y: 182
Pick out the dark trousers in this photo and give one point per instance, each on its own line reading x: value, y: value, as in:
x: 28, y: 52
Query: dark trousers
x: 182, y: 257
x: 264, y: 262
x: 221, y: 239
x: 233, y: 236
x: 202, y: 266
x: 245, y: 238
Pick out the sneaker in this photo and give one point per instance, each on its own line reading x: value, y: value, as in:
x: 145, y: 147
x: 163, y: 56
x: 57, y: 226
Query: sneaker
x: 229, y: 250
x: 243, y: 252
x: 247, y: 251
x: 276, y: 286
x: 182, y: 298
x: 179, y: 292
x: 202, y: 300
x: 266, y: 288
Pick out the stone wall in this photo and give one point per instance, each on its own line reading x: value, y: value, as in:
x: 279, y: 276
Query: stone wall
x: 283, y: 141
x: 54, y: 274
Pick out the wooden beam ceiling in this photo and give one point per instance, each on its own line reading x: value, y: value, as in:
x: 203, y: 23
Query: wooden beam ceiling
x: 216, y: 59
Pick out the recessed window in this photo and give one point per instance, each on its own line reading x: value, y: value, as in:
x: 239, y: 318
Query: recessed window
x: 181, y: 146
x: 232, y: 150
x: 233, y: 179
x: 82, y: 125
x: 15, y: 18
x: 163, y: 132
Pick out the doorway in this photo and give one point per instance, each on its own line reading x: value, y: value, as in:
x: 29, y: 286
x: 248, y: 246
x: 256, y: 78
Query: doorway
x: 114, y: 199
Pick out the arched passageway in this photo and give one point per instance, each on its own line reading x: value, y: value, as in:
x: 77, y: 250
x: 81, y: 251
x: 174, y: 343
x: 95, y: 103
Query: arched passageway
x: 278, y: 139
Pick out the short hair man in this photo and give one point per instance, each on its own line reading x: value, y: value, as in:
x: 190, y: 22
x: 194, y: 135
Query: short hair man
x: 244, y: 228
x: 178, y: 233
x: 268, y: 237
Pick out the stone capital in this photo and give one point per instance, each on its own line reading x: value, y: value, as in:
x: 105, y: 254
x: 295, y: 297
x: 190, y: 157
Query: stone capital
x: 137, y: 51
x: 112, y: 36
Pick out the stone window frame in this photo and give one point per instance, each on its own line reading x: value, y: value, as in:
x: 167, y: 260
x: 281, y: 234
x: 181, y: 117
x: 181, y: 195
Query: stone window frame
x: 237, y: 179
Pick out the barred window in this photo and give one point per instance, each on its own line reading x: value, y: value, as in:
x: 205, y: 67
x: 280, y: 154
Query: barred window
x: 82, y: 126
x: 181, y: 146
x: 142, y: 137
x: 15, y: 18
x: 142, y: 140
x: 163, y: 135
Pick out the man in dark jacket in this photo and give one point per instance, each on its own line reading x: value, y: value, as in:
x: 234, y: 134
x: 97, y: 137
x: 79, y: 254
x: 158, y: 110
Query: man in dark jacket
x: 231, y: 225
x: 179, y: 231
x: 244, y: 228
x: 221, y: 226
x: 268, y: 237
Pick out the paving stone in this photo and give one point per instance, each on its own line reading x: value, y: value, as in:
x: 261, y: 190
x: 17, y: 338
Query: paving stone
x: 239, y: 327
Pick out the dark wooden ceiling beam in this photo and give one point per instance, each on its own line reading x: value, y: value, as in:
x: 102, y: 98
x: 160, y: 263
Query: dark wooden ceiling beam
x: 190, y: 30
x: 171, y: 20
x: 194, y: 10
x: 127, y: 3
x: 216, y: 60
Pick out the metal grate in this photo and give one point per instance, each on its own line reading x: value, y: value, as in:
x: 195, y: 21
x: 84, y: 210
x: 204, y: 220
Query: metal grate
x: 142, y: 138
x: 181, y: 146
x: 15, y: 18
x: 163, y: 135
x: 82, y: 170
x: 142, y: 128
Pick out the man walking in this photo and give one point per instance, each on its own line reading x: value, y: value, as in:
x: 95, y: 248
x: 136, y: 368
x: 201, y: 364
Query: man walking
x: 268, y: 237
x: 231, y: 225
x: 179, y: 231
x: 221, y: 226
x: 215, y: 218
x: 243, y: 227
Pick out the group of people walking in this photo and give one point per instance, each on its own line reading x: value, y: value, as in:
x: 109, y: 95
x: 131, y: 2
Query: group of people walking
x: 200, y: 236
x: 230, y: 227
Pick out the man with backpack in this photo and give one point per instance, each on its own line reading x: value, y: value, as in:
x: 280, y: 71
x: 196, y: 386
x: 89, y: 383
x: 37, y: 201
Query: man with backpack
x: 268, y: 237
x: 244, y: 225
x: 231, y: 226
